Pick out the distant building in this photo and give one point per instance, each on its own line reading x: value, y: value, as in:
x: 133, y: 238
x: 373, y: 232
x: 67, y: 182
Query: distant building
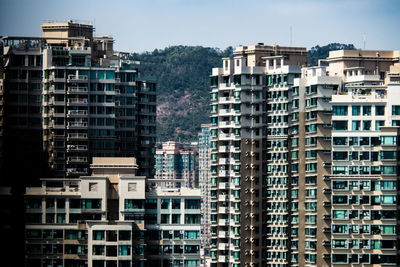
x: 175, y: 163
x: 205, y: 181
x: 108, y: 219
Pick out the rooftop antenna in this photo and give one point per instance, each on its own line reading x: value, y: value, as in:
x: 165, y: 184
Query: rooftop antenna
x: 290, y: 35
x: 365, y: 40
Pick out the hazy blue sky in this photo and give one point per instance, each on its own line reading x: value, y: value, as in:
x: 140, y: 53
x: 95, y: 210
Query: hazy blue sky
x: 145, y: 25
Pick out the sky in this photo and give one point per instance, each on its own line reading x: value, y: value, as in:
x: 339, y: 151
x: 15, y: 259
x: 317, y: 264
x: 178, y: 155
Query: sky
x: 139, y: 26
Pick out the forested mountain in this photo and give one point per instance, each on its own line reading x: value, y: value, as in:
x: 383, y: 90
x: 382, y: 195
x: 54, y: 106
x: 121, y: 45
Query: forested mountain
x: 182, y: 76
x: 321, y: 52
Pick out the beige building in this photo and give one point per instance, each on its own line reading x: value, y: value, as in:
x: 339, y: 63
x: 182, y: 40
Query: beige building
x: 111, y: 219
x: 69, y: 97
x: 249, y: 110
x: 298, y: 177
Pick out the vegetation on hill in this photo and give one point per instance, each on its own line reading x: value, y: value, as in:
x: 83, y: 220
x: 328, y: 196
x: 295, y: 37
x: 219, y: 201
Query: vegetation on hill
x: 182, y: 76
x: 321, y: 52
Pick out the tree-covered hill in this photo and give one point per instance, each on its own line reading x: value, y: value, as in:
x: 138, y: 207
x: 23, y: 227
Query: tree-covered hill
x: 182, y: 76
x: 321, y: 52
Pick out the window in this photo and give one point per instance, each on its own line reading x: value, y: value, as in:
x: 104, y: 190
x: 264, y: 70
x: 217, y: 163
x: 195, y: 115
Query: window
x: 176, y: 203
x: 339, y: 229
x: 295, y: 142
x: 339, y: 125
x: 132, y: 187
x: 151, y: 204
x: 339, y: 199
x: 355, y: 110
x: 388, y: 140
x: 395, y: 110
x: 379, y: 124
x: 192, y: 219
x: 340, y: 141
x: 366, y: 125
x: 379, y: 110
x: 367, y: 110
x: 339, y: 155
x: 165, y: 203
x: 192, y: 234
x: 93, y: 187
x: 337, y: 185
x: 192, y: 203
x: 339, y: 110
x: 176, y: 219
x: 355, y: 125
x: 339, y: 214
x: 165, y: 218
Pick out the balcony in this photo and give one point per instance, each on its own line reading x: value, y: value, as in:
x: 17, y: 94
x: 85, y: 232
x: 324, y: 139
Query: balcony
x: 77, y: 101
x: 77, y: 159
x: 77, y: 113
x: 223, y: 185
x: 223, y: 198
x: 227, y: 136
x: 77, y: 78
x: 327, y: 217
x: 76, y: 171
x: 77, y: 90
x: 77, y: 147
x: 77, y: 125
x: 223, y: 234
x: 228, y: 112
x: 223, y: 149
x: 327, y: 203
x: 327, y: 190
x: 226, y: 124
x: 77, y: 136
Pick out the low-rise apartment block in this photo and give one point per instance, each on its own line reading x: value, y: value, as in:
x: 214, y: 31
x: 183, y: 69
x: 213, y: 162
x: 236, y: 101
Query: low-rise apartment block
x: 111, y: 219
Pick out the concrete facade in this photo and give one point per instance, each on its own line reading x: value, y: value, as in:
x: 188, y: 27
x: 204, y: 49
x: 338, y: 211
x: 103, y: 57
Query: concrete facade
x: 111, y: 219
x: 84, y: 100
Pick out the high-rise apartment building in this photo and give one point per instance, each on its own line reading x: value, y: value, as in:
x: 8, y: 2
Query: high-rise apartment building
x: 111, y: 219
x: 310, y: 157
x: 20, y: 106
x: 177, y: 164
x: 299, y: 178
x: 365, y: 137
x: 247, y: 230
x: 73, y: 97
x: 204, y: 171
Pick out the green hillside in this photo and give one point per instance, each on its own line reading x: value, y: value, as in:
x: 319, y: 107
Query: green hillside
x: 182, y: 76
